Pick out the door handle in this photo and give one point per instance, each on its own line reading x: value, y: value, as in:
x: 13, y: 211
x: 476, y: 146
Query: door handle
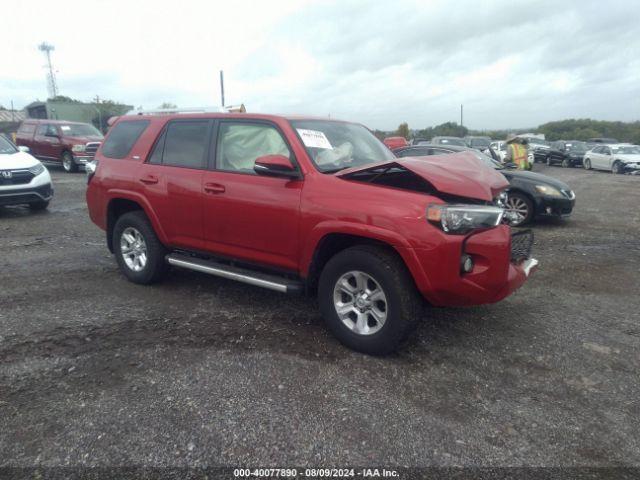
x: 149, y: 179
x: 214, y: 188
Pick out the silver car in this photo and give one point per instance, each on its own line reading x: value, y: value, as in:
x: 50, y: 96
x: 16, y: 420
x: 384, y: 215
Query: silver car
x: 617, y: 158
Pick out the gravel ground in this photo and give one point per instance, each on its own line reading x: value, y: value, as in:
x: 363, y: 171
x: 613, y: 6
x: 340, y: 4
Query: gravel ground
x: 201, y: 371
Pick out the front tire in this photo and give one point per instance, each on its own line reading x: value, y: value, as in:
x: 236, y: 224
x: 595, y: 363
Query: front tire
x: 586, y: 163
x: 68, y: 163
x: 616, y: 168
x: 368, y: 299
x: 566, y: 163
x: 521, y: 208
x: 139, y: 253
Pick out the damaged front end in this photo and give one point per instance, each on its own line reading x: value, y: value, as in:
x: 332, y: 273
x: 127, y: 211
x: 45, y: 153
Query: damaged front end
x: 479, y: 259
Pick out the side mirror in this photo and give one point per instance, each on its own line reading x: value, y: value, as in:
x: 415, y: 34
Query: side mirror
x: 275, y: 166
x: 510, y: 165
x: 24, y: 148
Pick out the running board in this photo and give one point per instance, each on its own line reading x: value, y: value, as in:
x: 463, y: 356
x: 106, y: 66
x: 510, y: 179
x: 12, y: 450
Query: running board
x: 244, y: 275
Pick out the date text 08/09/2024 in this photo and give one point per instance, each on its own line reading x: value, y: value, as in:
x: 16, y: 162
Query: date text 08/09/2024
x: 314, y: 473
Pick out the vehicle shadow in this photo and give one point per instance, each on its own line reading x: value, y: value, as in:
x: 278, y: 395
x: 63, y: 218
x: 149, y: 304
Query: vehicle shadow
x: 19, y: 211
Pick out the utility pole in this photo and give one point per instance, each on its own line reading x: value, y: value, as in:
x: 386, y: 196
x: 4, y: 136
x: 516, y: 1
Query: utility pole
x: 461, y: 107
x: 47, y: 48
x: 222, y: 87
x: 13, y: 119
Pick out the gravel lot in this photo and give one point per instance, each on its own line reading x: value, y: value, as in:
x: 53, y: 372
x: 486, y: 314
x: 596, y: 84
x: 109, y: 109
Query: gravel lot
x: 201, y: 371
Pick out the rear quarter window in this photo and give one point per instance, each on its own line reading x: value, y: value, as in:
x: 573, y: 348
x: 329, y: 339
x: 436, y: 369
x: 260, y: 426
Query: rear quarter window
x: 122, y: 137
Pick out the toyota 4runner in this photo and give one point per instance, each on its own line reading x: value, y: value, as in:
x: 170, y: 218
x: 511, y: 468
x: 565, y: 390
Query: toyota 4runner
x: 307, y: 205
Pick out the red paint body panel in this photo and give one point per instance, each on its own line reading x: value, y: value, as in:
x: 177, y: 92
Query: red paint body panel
x: 280, y: 222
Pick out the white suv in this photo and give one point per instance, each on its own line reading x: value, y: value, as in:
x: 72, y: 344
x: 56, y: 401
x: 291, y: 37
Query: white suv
x: 23, y: 179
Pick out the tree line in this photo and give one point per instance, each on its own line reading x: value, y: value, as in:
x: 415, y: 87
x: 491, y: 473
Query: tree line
x: 571, y: 129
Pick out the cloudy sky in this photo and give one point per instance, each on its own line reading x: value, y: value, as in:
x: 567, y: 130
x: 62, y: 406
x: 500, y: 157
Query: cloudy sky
x: 512, y: 64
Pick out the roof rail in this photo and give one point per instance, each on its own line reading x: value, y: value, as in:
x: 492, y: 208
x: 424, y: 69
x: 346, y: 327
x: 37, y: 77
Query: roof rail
x: 171, y: 111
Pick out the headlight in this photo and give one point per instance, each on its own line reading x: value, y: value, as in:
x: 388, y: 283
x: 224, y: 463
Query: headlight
x: 37, y: 169
x: 78, y: 148
x: 460, y: 219
x: 549, y: 191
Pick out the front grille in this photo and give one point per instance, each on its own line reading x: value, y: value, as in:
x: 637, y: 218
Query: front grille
x: 15, y: 177
x: 521, y: 243
x: 91, y: 148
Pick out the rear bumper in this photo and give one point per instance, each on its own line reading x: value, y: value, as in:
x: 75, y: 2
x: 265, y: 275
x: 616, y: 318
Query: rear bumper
x: 494, y: 276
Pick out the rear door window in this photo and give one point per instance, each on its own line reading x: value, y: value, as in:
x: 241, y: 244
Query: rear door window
x: 183, y: 144
x: 122, y: 137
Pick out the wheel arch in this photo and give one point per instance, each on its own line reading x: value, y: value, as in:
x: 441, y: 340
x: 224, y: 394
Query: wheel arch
x: 120, y: 204
x: 329, y: 244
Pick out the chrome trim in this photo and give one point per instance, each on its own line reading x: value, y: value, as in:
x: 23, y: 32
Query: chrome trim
x: 529, y: 265
x: 258, y: 282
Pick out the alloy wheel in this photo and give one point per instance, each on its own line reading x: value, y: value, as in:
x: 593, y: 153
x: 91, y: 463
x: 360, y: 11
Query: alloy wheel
x: 67, y: 163
x: 518, y: 208
x: 133, y: 249
x: 360, y: 303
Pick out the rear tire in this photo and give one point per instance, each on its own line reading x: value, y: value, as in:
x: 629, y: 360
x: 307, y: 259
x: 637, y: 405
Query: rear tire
x: 549, y: 162
x: 138, y: 251
x: 380, y: 305
x: 68, y: 163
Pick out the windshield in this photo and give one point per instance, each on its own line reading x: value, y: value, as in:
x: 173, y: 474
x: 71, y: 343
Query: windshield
x: 334, y: 146
x: 80, y: 130
x: 627, y: 150
x: 6, y: 147
x: 536, y: 141
x: 577, y: 147
x: 480, y: 142
x: 452, y: 141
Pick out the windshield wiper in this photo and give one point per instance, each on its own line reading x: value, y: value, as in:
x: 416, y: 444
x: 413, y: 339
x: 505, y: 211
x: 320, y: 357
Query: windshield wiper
x: 334, y: 170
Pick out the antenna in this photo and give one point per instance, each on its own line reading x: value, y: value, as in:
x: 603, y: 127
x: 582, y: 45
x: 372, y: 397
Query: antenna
x: 51, y: 77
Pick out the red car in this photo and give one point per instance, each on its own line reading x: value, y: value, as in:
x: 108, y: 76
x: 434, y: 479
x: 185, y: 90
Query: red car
x: 395, y: 142
x: 58, y: 141
x: 306, y: 205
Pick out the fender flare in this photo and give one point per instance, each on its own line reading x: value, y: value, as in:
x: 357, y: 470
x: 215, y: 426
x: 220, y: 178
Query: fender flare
x: 115, y: 194
x: 389, y: 237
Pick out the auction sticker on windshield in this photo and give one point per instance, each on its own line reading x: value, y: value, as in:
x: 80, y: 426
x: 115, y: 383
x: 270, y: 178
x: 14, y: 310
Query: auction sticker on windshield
x: 314, y: 139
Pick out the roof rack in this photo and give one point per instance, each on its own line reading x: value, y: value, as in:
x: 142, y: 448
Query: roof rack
x: 172, y: 111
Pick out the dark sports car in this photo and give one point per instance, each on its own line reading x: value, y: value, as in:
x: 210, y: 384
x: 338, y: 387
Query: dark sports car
x: 530, y: 194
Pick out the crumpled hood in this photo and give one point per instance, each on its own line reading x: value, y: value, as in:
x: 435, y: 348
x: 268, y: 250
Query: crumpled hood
x: 628, y: 157
x: 460, y: 174
x: 18, y: 160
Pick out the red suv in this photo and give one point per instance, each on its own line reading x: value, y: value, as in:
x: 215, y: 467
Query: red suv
x: 306, y: 205
x: 59, y: 141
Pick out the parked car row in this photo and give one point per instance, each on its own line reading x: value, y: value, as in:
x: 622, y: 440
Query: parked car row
x: 530, y: 195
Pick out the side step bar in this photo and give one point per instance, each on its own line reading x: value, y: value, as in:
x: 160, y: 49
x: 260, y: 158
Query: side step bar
x: 244, y: 275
